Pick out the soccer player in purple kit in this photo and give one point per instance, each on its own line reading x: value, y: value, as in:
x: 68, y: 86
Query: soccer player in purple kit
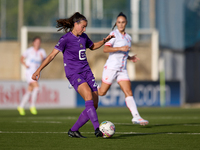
x: 73, y: 46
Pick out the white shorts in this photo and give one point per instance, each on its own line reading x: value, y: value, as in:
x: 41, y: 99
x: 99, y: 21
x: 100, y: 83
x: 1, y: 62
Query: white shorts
x: 29, y: 77
x: 110, y: 75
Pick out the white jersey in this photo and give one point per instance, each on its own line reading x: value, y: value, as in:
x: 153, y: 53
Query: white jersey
x: 33, y: 58
x: 118, y: 60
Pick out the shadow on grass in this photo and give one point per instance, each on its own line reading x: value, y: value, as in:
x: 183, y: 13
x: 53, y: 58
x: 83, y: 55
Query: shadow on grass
x: 122, y: 135
x: 165, y: 125
x: 174, y: 124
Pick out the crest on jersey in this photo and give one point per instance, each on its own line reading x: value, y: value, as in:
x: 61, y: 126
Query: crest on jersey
x: 81, y: 45
x: 79, y: 80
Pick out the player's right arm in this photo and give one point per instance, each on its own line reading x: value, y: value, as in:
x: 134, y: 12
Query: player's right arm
x: 49, y: 58
x: 110, y: 49
x: 22, y: 59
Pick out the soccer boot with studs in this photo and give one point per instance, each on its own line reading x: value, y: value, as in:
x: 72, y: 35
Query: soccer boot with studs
x: 98, y: 133
x: 140, y: 121
x: 21, y: 111
x: 33, y: 110
x: 75, y: 134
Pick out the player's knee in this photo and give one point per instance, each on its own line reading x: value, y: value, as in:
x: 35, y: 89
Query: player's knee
x: 101, y: 92
x: 87, y: 96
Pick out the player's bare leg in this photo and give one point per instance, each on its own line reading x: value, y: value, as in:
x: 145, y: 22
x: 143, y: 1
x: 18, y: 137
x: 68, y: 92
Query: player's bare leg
x: 102, y: 90
x: 95, y: 99
x: 130, y: 102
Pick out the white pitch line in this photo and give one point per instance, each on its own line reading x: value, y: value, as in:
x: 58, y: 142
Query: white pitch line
x: 46, y: 122
x: 123, y: 123
x: 21, y: 121
x: 62, y: 118
x: 89, y: 123
x: 39, y: 121
x: 33, y: 132
x: 72, y: 118
x: 129, y: 133
x: 192, y: 125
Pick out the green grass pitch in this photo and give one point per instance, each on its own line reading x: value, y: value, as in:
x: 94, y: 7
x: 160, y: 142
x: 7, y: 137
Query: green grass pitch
x: 169, y: 128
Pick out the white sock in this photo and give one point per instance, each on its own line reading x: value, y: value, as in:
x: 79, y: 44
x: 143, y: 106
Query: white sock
x: 130, y: 103
x: 25, y: 98
x: 34, y: 96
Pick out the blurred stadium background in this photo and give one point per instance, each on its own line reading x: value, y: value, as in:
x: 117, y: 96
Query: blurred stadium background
x: 166, y: 35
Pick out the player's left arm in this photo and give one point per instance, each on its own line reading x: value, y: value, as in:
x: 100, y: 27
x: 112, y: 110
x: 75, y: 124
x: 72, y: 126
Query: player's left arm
x: 100, y: 43
x: 133, y: 58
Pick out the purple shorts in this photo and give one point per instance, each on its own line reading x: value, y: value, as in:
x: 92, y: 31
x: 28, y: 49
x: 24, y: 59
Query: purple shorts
x: 86, y: 76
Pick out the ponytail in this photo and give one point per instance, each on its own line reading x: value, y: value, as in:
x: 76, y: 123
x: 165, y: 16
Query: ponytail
x: 114, y: 26
x: 68, y: 24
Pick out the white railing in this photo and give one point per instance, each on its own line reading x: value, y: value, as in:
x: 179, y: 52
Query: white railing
x: 154, y: 42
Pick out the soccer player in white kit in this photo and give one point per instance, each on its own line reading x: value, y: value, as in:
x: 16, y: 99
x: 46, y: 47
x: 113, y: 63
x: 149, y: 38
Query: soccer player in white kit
x: 31, y: 59
x: 115, y: 67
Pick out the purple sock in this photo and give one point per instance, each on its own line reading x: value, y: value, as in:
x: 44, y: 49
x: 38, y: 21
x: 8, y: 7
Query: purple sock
x: 83, y: 118
x: 92, y: 114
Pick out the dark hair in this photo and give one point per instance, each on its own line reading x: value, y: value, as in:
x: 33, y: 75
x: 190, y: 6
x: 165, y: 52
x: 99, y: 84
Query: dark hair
x: 120, y: 14
x: 36, y: 37
x: 68, y: 24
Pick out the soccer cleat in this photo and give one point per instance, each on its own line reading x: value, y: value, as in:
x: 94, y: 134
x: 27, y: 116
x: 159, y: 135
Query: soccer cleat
x: 98, y: 133
x: 140, y: 121
x: 33, y: 110
x: 21, y: 111
x: 75, y: 134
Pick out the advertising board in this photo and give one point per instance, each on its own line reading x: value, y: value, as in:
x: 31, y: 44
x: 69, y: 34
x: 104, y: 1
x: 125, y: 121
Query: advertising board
x: 146, y: 93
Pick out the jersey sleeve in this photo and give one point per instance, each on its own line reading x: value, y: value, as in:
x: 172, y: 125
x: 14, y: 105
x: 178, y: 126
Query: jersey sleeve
x: 61, y: 44
x: 24, y: 54
x: 111, y: 41
x: 89, y: 43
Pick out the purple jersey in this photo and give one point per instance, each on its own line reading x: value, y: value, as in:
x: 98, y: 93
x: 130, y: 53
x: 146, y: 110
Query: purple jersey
x: 73, y: 49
